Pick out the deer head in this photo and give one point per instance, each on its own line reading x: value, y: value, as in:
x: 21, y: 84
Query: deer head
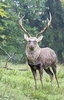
x: 33, y: 41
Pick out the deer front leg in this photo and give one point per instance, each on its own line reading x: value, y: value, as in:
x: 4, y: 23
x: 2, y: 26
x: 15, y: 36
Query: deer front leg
x: 35, y: 77
x: 41, y: 75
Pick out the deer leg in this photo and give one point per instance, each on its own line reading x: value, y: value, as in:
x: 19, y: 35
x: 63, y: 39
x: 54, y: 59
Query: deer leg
x: 41, y: 75
x: 35, y: 77
x: 54, y: 70
x: 50, y: 73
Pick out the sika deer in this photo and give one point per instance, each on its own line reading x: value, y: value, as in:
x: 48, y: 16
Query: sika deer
x: 39, y: 58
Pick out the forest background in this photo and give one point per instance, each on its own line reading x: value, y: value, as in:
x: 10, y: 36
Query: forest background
x: 36, y: 13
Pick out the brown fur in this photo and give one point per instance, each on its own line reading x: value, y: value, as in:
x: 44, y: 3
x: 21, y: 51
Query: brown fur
x: 39, y: 59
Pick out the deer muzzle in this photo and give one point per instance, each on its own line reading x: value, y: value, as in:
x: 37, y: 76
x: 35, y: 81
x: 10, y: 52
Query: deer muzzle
x: 31, y: 47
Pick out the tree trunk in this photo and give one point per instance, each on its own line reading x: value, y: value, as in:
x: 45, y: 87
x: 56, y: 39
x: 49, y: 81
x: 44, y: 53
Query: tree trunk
x: 60, y: 57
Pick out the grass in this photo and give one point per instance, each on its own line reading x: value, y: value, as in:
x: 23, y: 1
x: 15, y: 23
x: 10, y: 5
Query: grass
x: 19, y: 85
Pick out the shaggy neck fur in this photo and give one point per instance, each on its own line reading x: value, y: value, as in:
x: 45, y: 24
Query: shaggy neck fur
x: 32, y: 55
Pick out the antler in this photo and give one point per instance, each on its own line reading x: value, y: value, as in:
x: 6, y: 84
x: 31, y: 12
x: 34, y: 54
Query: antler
x: 20, y: 23
x: 49, y: 22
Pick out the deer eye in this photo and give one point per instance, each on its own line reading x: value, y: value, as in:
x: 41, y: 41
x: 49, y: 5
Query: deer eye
x: 29, y: 41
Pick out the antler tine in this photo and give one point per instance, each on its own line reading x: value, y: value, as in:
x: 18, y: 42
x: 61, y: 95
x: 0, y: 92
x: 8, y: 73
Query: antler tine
x: 49, y: 22
x: 20, y: 23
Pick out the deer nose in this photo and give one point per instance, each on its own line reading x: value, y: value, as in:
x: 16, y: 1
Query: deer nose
x: 31, y: 46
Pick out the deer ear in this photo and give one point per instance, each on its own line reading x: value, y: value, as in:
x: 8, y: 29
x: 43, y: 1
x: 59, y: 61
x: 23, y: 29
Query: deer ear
x: 26, y: 37
x: 40, y: 38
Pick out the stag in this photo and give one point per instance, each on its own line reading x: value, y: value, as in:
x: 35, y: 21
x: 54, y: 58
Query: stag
x: 39, y: 58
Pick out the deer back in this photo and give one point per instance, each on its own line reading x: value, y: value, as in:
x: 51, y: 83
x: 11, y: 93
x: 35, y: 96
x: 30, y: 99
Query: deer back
x: 47, y: 56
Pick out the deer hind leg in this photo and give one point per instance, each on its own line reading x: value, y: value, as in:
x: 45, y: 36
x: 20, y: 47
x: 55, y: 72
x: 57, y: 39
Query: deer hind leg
x: 50, y: 74
x: 54, y: 70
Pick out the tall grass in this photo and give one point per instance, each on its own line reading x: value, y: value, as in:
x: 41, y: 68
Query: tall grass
x: 19, y: 85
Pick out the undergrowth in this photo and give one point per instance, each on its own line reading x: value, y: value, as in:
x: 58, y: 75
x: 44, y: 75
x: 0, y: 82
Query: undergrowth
x: 19, y: 85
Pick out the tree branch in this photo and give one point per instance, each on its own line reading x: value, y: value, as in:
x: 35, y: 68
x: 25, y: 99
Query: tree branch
x: 8, y: 68
x: 10, y: 57
x: 5, y: 52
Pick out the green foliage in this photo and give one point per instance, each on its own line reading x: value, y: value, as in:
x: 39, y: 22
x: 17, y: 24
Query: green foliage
x: 3, y: 14
x: 13, y: 36
x: 36, y: 12
x: 2, y: 11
